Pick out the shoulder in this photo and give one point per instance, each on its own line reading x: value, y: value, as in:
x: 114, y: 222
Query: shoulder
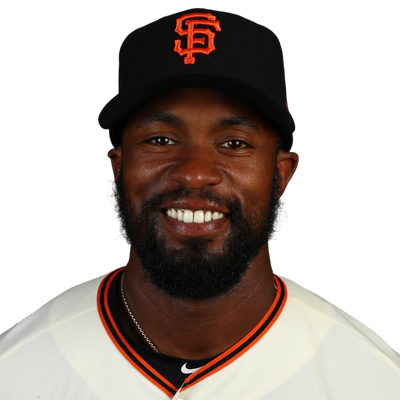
x: 331, y: 325
x: 63, y: 309
x: 41, y: 350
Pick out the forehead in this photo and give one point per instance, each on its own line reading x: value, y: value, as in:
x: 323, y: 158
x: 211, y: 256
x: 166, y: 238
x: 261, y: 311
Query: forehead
x: 200, y: 104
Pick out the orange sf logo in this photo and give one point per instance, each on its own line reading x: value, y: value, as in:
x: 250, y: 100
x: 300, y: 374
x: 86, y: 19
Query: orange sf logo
x: 191, y: 31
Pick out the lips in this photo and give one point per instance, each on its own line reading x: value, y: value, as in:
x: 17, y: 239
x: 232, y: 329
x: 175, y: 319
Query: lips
x: 195, y: 218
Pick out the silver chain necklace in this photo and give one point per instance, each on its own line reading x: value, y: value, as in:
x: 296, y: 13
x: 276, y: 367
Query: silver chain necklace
x: 135, y: 321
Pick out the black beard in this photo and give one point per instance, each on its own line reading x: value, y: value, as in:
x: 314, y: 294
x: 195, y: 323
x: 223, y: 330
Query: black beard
x: 193, y: 272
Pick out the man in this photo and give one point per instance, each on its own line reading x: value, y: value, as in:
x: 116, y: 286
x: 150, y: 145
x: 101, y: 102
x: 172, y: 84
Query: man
x: 202, y: 137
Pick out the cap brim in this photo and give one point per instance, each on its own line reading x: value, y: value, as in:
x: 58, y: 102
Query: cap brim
x: 121, y: 106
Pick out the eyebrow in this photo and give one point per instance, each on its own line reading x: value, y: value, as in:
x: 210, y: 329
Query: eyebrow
x: 232, y: 121
x: 170, y: 118
x: 158, y: 117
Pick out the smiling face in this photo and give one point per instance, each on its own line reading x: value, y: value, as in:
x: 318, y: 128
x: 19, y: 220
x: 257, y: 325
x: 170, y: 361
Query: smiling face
x: 198, y: 182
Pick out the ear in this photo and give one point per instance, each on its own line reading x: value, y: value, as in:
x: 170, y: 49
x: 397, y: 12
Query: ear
x: 115, y: 157
x: 286, y: 167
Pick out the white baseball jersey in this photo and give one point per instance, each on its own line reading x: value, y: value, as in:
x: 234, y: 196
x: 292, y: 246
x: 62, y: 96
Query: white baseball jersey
x: 303, y: 348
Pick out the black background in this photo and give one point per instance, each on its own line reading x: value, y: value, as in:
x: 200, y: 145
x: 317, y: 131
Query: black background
x: 60, y: 220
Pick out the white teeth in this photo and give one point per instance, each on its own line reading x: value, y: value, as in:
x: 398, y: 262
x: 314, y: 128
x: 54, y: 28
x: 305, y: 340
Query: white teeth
x: 179, y: 215
x: 198, y: 216
x: 188, y: 216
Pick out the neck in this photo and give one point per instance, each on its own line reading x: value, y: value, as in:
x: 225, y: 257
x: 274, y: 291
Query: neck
x: 196, y: 329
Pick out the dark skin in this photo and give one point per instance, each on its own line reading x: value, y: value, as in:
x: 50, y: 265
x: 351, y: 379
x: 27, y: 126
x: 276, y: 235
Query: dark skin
x: 199, y: 137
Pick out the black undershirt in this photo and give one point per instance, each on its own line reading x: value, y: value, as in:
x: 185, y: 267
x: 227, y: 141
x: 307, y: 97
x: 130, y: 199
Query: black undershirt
x: 169, y: 367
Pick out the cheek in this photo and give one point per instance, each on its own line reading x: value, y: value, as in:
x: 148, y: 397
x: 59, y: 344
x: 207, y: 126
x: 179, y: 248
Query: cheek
x: 143, y: 178
x: 253, y: 182
x: 138, y: 170
x: 134, y: 179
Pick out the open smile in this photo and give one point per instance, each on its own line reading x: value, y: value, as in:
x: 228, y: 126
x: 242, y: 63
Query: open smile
x: 197, y: 216
x: 194, y: 223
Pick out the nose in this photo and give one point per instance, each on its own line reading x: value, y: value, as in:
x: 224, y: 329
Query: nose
x: 195, y: 169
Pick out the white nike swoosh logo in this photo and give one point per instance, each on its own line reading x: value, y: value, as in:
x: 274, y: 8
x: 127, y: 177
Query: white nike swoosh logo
x: 185, y: 370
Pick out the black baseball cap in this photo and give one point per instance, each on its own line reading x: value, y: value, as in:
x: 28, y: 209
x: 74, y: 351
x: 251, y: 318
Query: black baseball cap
x: 201, y: 48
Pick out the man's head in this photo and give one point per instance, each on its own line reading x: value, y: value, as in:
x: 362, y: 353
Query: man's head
x: 198, y: 162
x: 198, y: 154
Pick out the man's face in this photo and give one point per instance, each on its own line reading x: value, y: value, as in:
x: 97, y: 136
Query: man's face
x: 197, y: 189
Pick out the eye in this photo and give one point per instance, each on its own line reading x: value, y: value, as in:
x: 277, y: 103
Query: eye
x: 235, y: 144
x: 162, y: 141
